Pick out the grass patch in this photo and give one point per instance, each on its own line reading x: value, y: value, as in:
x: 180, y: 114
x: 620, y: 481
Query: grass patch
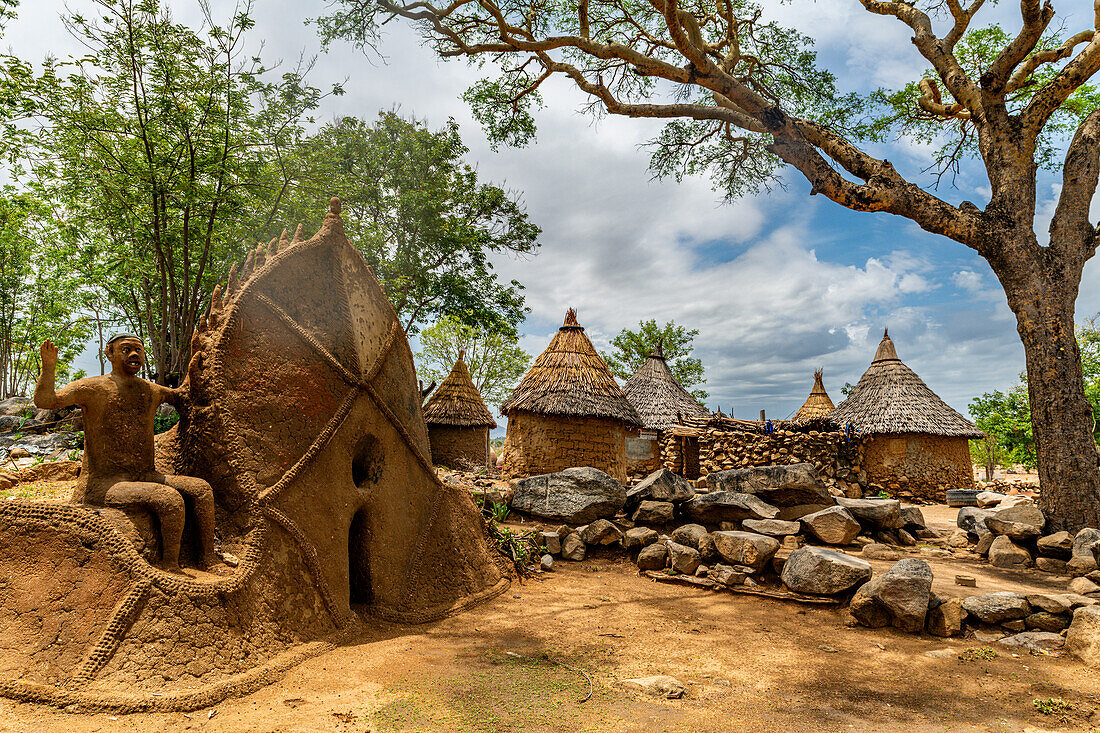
x: 978, y: 654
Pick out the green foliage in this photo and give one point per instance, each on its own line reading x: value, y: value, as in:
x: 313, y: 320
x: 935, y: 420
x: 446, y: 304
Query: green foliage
x: 495, y: 360
x: 518, y: 547
x: 1053, y: 706
x: 631, y: 348
x: 162, y: 142
x: 40, y: 295
x: 419, y: 215
x: 163, y: 421
x: 977, y: 654
x: 499, y: 511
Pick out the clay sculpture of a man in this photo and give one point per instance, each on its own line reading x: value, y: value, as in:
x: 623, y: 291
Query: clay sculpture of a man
x: 118, y: 447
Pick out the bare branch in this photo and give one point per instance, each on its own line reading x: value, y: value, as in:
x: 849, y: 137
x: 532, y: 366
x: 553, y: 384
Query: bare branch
x: 1023, y: 74
x: 1071, y: 229
x: 931, y: 102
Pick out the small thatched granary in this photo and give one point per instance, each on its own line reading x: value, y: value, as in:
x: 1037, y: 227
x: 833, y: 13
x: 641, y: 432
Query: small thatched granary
x: 914, y: 443
x: 817, y: 404
x: 663, y: 404
x: 458, y: 421
x: 568, y: 411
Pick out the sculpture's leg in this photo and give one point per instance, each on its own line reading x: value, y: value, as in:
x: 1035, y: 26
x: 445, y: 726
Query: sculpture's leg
x: 201, y: 495
x: 164, y: 501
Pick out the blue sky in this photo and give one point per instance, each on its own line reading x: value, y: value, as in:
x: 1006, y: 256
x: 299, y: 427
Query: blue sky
x: 778, y: 284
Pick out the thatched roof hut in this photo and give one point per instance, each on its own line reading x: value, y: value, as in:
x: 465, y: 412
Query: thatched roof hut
x: 659, y: 399
x: 891, y: 398
x: 568, y: 411
x: 571, y: 380
x: 818, y: 404
x: 457, y: 402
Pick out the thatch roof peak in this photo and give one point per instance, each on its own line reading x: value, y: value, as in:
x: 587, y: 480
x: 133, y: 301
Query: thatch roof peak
x: 658, y: 349
x: 571, y: 380
x: 891, y: 398
x: 818, y: 404
x: 659, y: 399
x: 457, y: 402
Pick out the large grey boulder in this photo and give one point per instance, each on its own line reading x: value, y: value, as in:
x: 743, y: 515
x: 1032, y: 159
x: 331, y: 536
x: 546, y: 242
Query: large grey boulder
x: 912, y: 517
x: 1036, y: 641
x: 689, y: 534
x: 1083, y: 553
x: 993, y: 608
x: 745, y: 548
x: 574, y: 496
x: 662, y: 485
x: 653, y: 557
x: 901, y: 595
x: 1020, y: 522
x: 772, y: 527
x: 1004, y: 553
x: 1083, y: 637
x: 819, y: 571
x: 875, y: 513
x: 728, y: 506
x: 972, y: 519
x: 653, y: 512
x: 833, y: 526
x: 781, y: 486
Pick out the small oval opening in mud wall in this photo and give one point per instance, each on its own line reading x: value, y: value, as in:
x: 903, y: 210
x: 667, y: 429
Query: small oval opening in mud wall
x: 367, y: 461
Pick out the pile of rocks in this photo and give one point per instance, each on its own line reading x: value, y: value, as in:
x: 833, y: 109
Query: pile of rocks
x: 1008, y: 530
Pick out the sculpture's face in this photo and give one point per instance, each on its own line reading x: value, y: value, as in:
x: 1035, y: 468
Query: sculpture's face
x: 127, y: 356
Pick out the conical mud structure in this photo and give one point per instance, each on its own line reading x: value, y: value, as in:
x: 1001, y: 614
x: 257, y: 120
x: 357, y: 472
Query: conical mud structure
x: 458, y: 420
x: 303, y: 412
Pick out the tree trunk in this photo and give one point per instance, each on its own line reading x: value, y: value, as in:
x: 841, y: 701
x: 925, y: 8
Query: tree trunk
x: 1061, y: 416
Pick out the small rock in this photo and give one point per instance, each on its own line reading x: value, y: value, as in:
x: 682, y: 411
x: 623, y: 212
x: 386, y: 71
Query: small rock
x: 1059, y: 544
x: 958, y: 538
x: 912, y: 518
x: 745, y: 548
x: 702, y: 571
x: 1083, y: 553
x: 231, y: 560
x: 833, y: 526
x: 987, y: 499
x: 906, y: 539
x: 1039, y: 641
x: 657, y: 686
x: 945, y: 618
x: 682, y: 558
x: 727, y: 576
x: 1004, y: 553
x: 551, y: 541
x: 1020, y: 522
x: 547, y: 563
x: 707, y: 551
x: 1083, y: 586
x: 993, y: 608
x: 877, y: 513
x: 985, y: 541
x: 1044, y: 621
x: 875, y: 551
x: 636, y: 538
x: 654, y: 512
x: 572, y: 548
x: 1014, y: 625
x: 772, y: 527
x: 660, y: 486
x: 1052, y: 565
x: 653, y: 557
x: 689, y: 535
x: 967, y: 581
x: 819, y: 571
x: 600, y: 532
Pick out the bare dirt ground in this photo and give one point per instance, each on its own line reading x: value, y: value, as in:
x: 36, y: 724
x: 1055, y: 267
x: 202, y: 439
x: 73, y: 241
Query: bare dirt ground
x: 523, y: 661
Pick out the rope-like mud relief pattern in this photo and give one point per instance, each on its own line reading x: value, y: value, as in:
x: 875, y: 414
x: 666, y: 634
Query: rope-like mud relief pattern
x: 236, y: 686
x: 306, y: 336
x: 121, y: 620
x: 379, y: 362
x: 309, y: 552
x: 120, y: 548
x: 272, y: 492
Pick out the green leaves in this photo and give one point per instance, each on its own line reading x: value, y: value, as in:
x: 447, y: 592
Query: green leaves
x: 631, y: 348
x: 495, y: 360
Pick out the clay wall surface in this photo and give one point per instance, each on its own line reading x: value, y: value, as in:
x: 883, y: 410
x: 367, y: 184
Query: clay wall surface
x: 643, y: 454
x: 546, y: 443
x: 459, y: 447
x: 915, y: 466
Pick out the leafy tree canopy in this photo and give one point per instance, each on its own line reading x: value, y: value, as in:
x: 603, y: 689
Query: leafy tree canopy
x: 495, y: 360
x: 631, y: 348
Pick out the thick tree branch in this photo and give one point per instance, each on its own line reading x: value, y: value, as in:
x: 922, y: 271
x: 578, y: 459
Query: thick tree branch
x: 1072, y: 234
x: 1036, y: 17
x: 1058, y: 89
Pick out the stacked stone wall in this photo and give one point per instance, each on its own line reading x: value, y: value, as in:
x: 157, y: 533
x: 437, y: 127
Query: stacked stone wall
x: 547, y: 443
x: 459, y: 447
x: 915, y: 466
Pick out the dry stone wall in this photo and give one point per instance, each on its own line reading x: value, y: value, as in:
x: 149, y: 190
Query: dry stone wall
x: 459, y: 447
x: 539, y: 444
x: 914, y: 466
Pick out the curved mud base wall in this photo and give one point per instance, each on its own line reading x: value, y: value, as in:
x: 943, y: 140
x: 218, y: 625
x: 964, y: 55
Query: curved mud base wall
x: 916, y: 466
x: 459, y: 447
x: 539, y: 444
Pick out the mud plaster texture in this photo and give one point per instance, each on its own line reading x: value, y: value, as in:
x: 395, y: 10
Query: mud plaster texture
x: 456, y: 446
x: 912, y: 465
x: 303, y: 413
x: 538, y: 444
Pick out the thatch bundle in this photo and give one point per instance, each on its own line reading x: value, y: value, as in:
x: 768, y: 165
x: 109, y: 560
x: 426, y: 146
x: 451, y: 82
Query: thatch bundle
x: 570, y: 379
x: 659, y: 399
x: 457, y: 402
x: 817, y: 404
x: 891, y: 398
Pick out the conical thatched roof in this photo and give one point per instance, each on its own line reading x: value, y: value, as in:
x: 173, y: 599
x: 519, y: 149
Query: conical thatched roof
x: 817, y: 404
x: 891, y: 398
x: 571, y: 379
x: 658, y: 397
x: 457, y: 401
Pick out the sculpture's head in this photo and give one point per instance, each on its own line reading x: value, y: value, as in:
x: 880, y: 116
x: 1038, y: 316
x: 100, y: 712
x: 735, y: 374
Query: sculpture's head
x: 127, y: 354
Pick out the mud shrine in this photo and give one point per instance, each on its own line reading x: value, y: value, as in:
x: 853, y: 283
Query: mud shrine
x: 568, y: 411
x: 301, y: 410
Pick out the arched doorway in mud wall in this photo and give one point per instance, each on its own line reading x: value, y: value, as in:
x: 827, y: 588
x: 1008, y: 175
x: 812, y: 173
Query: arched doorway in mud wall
x: 366, y: 469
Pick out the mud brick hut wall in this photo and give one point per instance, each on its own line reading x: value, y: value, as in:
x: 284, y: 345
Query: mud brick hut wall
x: 917, y: 466
x: 548, y: 443
x: 457, y: 446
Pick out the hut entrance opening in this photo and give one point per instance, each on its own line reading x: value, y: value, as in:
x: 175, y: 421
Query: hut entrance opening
x: 359, y: 583
x: 689, y: 448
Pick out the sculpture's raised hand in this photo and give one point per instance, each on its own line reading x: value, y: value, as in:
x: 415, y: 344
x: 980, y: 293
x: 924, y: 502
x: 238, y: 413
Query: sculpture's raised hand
x: 49, y: 353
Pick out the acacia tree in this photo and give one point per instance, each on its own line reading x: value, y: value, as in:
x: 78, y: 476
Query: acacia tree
x: 742, y: 95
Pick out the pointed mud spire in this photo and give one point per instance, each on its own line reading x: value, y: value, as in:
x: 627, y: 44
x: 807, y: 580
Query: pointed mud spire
x: 246, y: 271
x: 203, y: 323
x: 284, y: 242
x: 333, y: 223
x: 297, y: 236
x: 216, y: 306
x: 261, y: 257
x: 232, y: 284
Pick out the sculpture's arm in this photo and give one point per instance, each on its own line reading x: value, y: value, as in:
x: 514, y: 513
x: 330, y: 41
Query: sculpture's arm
x: 45, y: 396
x: 174, y: 397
